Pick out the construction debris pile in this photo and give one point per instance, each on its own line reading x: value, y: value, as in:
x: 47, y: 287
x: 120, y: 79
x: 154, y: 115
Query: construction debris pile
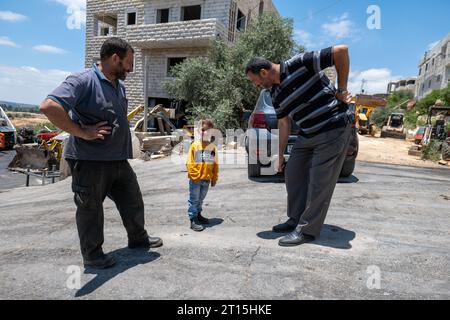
x: 156, y: 133
x: 154, y: 136
x: 434, y: 132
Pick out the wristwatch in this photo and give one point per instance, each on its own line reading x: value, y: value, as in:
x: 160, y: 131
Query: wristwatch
x: 342, y: 91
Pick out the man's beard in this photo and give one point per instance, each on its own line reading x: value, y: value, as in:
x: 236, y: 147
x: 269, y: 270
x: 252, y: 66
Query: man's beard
x: 121, y: 74
x: 267, y: 84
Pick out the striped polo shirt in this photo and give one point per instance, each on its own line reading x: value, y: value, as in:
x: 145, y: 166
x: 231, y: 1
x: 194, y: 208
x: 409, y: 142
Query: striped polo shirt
x: 307, y: 95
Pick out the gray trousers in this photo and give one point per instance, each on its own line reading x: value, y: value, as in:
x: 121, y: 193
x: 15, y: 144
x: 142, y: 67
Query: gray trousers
x: 311, y: 175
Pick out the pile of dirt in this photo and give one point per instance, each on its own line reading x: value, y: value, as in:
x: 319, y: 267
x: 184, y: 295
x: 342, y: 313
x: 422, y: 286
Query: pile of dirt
x: 390, y: 151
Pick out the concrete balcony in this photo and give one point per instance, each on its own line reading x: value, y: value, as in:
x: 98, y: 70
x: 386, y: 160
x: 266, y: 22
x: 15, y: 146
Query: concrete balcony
x: 193, y: 33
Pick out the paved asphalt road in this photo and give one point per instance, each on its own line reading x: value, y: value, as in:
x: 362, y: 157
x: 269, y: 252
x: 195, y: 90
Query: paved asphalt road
x: 387, y: 220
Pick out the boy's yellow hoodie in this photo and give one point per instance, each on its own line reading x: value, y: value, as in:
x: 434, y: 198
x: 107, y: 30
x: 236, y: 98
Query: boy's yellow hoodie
x: 202, y: 162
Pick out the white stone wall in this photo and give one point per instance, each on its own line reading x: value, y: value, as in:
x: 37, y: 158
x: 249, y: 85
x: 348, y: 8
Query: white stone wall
x: 177, y: 38
x: 211, y: 9
x: 436, y: 76
x: 173, y: 34
x: 157, y: 66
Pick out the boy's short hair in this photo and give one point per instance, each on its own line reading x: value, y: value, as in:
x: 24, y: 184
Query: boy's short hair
x: 208, y: 122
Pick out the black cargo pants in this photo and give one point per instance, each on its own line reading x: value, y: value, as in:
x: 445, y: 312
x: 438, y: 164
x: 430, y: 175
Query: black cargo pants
x: 92, y: 182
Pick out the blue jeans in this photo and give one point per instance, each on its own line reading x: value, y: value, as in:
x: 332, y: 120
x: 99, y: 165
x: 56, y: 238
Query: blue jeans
x: 197, y: 193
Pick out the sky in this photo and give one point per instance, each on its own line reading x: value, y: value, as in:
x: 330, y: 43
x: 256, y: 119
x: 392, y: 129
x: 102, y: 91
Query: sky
x: 42, y: 41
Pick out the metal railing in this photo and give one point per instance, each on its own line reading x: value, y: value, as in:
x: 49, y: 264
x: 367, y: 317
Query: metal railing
x: 44, y: 175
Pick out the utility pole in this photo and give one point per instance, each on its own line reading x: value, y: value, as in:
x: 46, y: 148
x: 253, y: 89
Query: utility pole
x: 363, y: 83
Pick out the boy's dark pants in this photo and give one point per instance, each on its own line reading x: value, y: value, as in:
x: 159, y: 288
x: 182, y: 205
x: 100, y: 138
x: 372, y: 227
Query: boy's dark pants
x: 92, y: 182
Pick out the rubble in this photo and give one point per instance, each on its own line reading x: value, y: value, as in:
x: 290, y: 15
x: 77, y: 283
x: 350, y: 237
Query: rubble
x: 33, y: 157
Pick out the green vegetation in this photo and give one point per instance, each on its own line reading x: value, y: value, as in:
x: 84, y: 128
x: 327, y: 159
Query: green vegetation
x: 421, y: 108
x: 18, y: 108
x: 432, y: 151
x: 216, y: 86
x: 414, y: 117
x: 396, y: 104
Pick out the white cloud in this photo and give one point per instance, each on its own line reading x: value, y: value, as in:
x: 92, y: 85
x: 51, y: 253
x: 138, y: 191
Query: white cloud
x: 28, y: 84
x: 305, y: 38
x: 377, y: 80
x: 5, y: 41
x: 340, y: 28
x: 332, y: 32
x: 12, y: 16
x: 44, y: 48
x: 76, y: 9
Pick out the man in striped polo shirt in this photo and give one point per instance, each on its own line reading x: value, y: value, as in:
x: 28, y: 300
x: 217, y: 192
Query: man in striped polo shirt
x: 302, y: 92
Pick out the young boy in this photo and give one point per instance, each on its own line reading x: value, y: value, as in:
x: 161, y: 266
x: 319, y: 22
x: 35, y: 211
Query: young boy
x: 203, y: 169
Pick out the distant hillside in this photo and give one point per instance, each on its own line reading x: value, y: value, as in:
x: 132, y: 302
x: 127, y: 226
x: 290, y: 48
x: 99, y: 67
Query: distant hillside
x: 19, y: 107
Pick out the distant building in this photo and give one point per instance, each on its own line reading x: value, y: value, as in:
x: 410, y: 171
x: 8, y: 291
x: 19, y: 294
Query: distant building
x: 434, y: 69
x: 165, y: 33
x: 402, y: 85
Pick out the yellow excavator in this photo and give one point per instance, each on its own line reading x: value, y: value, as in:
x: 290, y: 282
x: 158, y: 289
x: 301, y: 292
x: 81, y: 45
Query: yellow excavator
x: 365, y: 106
x: 49, y: 152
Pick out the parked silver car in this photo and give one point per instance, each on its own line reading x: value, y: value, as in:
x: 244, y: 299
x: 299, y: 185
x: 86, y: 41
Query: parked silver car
x: 262, y: 135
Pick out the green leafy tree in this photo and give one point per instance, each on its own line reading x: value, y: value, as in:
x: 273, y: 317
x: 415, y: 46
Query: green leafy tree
x: 216, y: 86
x: 395, y: 103
x: 270, y: 37
x: 424, y: 104
x: 398, y: 99
x: 428, y: 101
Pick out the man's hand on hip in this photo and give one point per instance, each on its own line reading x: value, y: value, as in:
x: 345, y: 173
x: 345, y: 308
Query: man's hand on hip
x: 344, y: 96
x: 96, y: 131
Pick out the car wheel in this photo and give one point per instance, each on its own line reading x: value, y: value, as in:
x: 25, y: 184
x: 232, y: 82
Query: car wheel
x: 348, y: 168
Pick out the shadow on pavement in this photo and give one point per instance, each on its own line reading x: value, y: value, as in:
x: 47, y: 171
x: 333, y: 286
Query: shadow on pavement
x: 126, y: 259
x: 280, y: 179
x: 351, y: 179
x: 213, y: 222
x: 331, y: 236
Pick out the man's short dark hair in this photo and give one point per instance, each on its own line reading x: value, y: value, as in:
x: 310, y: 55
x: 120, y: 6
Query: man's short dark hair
x: 113, y: 46
x: 257, y: 64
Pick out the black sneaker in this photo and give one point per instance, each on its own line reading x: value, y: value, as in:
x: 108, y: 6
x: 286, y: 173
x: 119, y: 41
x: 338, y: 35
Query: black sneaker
x: 103, y: 262
x: 147, y: 243
x: 196, y: 225
x: 202, y: 219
